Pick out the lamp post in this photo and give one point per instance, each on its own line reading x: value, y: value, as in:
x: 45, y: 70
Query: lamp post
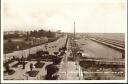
x: 74, y: 30
x: 5, y: 56
x: 29, y: 47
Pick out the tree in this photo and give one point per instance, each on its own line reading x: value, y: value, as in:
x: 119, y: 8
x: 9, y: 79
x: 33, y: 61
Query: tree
x: 51, y: 69
x: 50, y: 34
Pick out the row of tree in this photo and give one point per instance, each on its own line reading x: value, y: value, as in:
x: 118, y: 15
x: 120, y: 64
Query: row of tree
x: 34, y: 33
x: 42, y: 33
x: 14, y: 36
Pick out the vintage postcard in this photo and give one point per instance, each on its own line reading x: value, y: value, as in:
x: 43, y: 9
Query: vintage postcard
x: 64, y: 41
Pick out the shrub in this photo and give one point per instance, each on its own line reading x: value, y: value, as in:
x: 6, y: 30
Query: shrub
x: 32, y: 73
x: 39, y: 65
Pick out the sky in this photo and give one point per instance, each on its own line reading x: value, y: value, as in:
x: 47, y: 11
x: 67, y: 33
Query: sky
x: 89, y: 15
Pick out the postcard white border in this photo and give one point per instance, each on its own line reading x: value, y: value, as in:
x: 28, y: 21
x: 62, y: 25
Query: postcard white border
x: 61, y: 81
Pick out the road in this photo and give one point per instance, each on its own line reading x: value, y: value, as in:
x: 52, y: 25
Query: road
x: 97, y: 50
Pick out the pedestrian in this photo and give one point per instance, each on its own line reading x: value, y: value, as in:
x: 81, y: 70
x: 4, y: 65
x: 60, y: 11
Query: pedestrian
x: 22, y: 59
x: 14, y: 58
x: 31, y: 66
x: 7, y: 67
x: 18, y: 60
x: 24, y: 65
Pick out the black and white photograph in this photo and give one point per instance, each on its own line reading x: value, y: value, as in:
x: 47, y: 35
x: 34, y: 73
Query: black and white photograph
x: 63, y: 41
